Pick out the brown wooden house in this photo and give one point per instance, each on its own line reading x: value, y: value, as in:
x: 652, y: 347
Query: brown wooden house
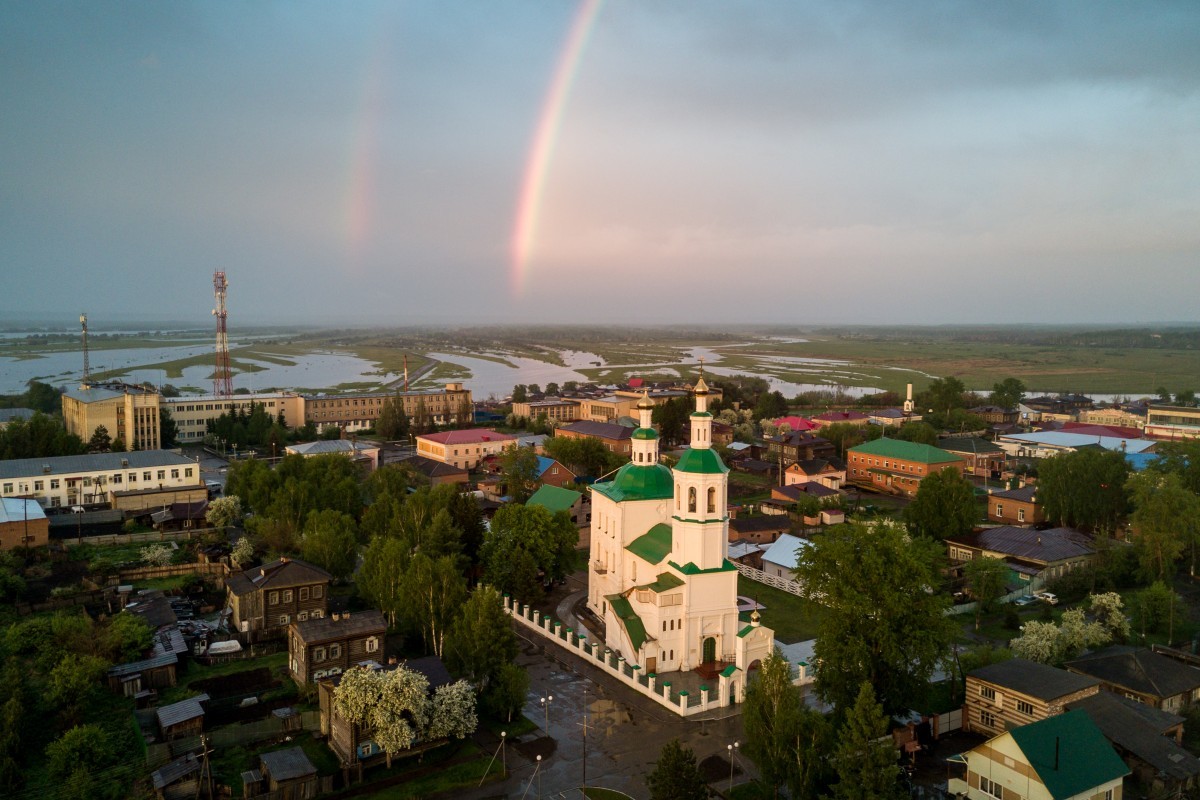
x: 1016, y: 506
x: 266, y: 599
x: 1016, y: 692
x: 283, y: 775
x: 321, y: 647
x: 183, y: 719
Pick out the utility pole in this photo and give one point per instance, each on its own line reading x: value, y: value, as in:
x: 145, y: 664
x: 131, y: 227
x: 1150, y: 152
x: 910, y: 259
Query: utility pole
x: 205, y: 769
x: 584, y: 725
x: 87, y: 376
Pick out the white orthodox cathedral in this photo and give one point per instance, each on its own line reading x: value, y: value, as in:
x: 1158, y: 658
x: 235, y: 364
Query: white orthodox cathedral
x: 659, y: 575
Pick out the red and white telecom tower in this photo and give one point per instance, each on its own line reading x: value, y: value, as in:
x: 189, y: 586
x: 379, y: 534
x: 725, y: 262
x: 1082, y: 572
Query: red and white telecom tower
x: 223, y: 377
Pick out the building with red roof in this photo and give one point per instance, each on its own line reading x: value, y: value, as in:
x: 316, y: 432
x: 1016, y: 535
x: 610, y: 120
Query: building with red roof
x: 796, y: 423
x: 463, y: 449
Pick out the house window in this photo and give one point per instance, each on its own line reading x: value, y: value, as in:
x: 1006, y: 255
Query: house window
x: 54, y: 483
x: 990, y: 787
x: 146, y: 476
x: 987, y: 692
x: 999, y: 510
x: 284, y: 619
x: 318, y: 654
x: 317, y: 590
x: 304, y: 593
x: 1020, y: 515
x: 302, y: 616
x: 162, y: 474
x: 287, y: 595
x: 273, y: 599
x: 335, y: 651
x: 1025, y: 708
x: 987, y: 719
x: 692, y: 499
x: 372, y: 644
x: 712, y: 500
x: 175, y: 473
x: 317, y: 613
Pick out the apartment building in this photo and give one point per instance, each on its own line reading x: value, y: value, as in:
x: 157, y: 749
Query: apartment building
x: 99, y: 477
x: 128, y: 413
x: 451, y: 405
x: 192, y: 414
x: 463, y: 449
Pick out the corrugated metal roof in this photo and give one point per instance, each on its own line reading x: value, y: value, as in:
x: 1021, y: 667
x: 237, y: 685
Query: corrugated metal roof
x: 184, y: 710
x: 134, y: 667
x: 286, y: 765
x: 783, y: 552
x: 323, y: 447
x: 1067, y: 439
x: 16, y: 509
x: 1046, y: 547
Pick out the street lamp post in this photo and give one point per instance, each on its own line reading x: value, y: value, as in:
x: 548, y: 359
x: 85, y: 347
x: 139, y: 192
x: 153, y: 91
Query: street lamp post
x: 546, y: 707
x: 538, y: 769
x: 732, y: 748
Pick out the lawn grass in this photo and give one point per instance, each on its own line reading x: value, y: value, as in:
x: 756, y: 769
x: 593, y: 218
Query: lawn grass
x: 456, y: 776
x: 164, y: 584
x: 793, y: 618
x: 754, y: 790
x: 517, y: 727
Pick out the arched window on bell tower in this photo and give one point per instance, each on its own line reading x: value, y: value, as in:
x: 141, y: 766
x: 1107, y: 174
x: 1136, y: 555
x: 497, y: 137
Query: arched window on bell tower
x: 712, y: 499
x: 692, y: 499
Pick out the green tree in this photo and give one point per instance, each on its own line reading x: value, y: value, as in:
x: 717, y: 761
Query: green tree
x: 167, y: 428
x: 381, y: 579
x: 433, y: 592
x: 945, y: 506
x: 552, y: 388
x: 519, y: 394
x: 1084, y: 489
x: 1008, y: 393
x: 83, y: 763
x: 224, y: 511
x: 919, y: 432
x: 784, y: 738
x: 865, y: 759
x: 672, y: 419
x: 481, y: 641
x: 126, y: 637
x: 882, y: 623
x: 422, y: 421
x: 1181, y: 458
x: 584, y: 456
x: 72, y: 682
x: 943, y: 394
x: 40, y: 436
x: 329, y: 542
x: 526, y: 546
x: 1166, y: 521
x: 393, y: 422
x: 1155, y: 608
x: 519, y: 468
x: 507, y: 691
x: 100, y: 442
x: 770, y: 405
x: 985, y: 578
x: 844, y: 435
x: 676, y: 775
x: 43, y: 397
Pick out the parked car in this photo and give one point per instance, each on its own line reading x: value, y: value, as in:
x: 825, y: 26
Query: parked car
x: 1026, y: 600
x: 1047, y: 597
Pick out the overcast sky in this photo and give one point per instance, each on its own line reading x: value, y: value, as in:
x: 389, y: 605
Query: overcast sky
x: 831, y: 162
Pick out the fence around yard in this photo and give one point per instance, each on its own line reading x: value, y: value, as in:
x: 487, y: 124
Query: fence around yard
x: 791, y: 587
x: 160, y: 753
x: 143, y: 537
x: 969, y: 608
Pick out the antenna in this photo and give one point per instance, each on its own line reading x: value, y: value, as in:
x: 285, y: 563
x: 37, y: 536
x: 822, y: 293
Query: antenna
x: 87, y: 372
x: 222, y: 378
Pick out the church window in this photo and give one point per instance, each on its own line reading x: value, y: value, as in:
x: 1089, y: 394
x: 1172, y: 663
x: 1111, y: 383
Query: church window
x: 677, y: 498
x: 712, y: 499
x: 692, y: 499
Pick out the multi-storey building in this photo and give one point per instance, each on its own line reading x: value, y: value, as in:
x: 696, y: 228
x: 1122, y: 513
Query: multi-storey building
x: 1017, y: 506
x: 451, y: 405
x: 265, y: 600
x: 897, y: 467
x: 329, y: 646
x: 1016, y: 692
x: 615, y: 437
x: 605, y: 409
x: 1173, y: 422
x: 555, y: 409
x: 101, y: 478
x: 192, y: 414
x: 463, y: 449
x: 128, y: 413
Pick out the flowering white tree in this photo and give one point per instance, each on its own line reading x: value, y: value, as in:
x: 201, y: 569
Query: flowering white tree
x: 224, y: 511
x: 453, y: 713
x: 1048, y: 643
x: 157, y: 555
x: 1038, y: 642
x: 393, y: 705
x: 1109, y: 611
x: 402, y: 713
x: 243, y: 551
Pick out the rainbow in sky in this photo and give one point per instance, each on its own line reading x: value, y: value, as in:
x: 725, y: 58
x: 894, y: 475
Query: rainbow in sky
x: 536, y: 167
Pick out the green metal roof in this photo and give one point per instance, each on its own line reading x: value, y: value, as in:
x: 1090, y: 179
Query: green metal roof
x: 1069, y: 754
x: 907, y: 451
x: 691, y: 569
x: 629, y: 619
x: 639, y: 482
x: 701, y: 414
x: 644, y: 433
x: 665, y: 583
x: 742, y: 633
x: 553, y: 498
x: 701, y: 459
x: 654, y: 545
x: 728, y: 671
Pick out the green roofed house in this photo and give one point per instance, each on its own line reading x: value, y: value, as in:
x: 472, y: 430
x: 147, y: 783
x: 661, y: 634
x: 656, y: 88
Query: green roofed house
x: 1059, y: 758
x: 659, y: 573
x: 555, y: 499
x: 896, y: 467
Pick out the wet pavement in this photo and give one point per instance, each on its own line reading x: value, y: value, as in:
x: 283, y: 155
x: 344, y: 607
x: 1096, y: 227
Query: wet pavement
x: 625, y: 732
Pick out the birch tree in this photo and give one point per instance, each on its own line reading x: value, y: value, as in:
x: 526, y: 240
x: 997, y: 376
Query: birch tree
x: 453, y: 712
x: 432, y: 593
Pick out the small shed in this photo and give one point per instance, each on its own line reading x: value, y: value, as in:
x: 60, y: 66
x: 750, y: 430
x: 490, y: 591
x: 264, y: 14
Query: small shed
x: 285, y: 774
x: 182, y: 719
x: 135, y: 677
x: 177, y: 779
x: 780, y: 559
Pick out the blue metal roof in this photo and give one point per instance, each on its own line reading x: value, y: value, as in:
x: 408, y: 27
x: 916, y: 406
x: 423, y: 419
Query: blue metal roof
x: 15, y: 509
x: 1068, y: 439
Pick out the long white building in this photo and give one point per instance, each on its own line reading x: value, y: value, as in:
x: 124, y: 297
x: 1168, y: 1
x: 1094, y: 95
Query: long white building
x: 97, y: 477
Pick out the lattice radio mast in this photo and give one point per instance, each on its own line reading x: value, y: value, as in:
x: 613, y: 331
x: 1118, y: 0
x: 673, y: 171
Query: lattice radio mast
x: 223, y: 377
x: 87, y: 372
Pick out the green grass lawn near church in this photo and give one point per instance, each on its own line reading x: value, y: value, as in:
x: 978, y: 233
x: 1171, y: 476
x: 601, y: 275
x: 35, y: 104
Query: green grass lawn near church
x: 793, y: 618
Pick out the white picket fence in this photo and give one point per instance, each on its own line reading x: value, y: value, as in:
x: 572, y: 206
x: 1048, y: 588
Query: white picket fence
x: 791, y: 587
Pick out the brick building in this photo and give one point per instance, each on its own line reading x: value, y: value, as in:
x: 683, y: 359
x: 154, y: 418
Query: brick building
x: 897, y: 467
